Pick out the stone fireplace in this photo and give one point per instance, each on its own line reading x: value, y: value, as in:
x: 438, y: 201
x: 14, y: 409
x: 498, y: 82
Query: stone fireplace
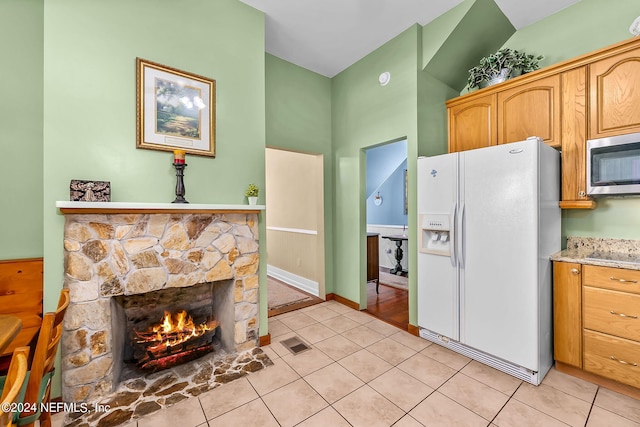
x: 120, y: 259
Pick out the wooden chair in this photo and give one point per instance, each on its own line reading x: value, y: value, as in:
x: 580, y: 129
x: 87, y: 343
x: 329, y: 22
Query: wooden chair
x: 13, y: 383
x: 21, y: 296
x: 42, y: 368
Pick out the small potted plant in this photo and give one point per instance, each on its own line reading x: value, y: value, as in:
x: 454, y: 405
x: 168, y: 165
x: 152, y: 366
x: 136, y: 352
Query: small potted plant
x: 252, y: 194
x: 500, y: 66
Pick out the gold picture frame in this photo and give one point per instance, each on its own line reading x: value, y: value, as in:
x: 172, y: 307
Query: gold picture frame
x: 174, y: 110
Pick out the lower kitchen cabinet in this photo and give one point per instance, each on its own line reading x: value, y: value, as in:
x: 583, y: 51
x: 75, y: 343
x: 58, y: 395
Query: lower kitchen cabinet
x: 612, y: 357
x: 597, y: 323
x: 567, y: 313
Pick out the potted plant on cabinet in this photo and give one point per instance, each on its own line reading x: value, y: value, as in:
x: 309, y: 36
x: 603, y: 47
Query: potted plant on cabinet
x: 500, y: 66
x: 252, y: 194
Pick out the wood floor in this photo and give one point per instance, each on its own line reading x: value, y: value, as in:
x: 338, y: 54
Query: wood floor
x: 390, y: 305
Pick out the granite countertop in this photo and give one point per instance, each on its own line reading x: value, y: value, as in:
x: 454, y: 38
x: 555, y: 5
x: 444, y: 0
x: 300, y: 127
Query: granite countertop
x: 618, y: 253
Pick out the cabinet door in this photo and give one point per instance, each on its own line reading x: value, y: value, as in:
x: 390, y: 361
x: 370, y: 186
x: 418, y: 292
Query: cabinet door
x: 574, y: 130
x: 567, y: 313
x: 615, y: 95
x: 472, y: 124
x: 531, y: 109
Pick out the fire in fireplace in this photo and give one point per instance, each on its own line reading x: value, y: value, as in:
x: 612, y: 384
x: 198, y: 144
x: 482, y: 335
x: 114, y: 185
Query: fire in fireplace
x: 173, y: 340
x: 172, y: 326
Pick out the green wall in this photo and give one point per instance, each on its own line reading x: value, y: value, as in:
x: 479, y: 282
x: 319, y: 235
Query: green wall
x: 456, y: 40
x: 89, y: 105
x: 432, y: 115
x: 21, y: 68
x: 584, y: 27
x: 365, y: 114
x: 298, y: 118
x: 69, y: 73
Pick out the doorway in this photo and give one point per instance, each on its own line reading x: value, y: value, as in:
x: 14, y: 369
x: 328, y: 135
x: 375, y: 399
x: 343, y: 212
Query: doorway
x: 387, y: 220
x: 294, y: 196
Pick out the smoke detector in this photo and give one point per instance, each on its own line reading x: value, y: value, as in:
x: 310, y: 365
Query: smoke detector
x: 384, y: 78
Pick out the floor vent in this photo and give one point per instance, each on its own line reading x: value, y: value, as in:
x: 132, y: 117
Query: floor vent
x: 295, y: 345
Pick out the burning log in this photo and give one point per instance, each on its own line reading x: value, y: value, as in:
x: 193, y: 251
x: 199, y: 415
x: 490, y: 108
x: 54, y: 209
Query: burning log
x: 175, y: 338
x: 175, y: 329
x: 158, y: 364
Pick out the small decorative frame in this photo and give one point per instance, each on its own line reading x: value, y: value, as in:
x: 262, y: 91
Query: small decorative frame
x: 89, y: 191
x: 174, y: 110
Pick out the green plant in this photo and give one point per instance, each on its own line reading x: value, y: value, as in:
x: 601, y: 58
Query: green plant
x: 252, y: 191
x: 491, y: 66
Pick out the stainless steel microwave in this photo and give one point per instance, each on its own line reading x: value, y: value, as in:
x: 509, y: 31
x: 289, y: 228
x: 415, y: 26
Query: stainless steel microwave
x: 613, y: 165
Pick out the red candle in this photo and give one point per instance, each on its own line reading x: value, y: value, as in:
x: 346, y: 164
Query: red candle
x: 178, y: 156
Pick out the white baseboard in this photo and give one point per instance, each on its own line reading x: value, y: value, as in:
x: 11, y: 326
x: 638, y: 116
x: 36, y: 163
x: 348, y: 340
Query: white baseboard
x: 302, y: 283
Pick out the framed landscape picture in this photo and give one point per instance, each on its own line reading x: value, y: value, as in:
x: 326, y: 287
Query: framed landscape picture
x: 174, y: 110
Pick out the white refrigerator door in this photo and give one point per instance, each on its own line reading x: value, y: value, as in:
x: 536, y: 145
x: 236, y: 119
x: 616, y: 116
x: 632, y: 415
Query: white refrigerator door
x: 438, y: 290
x: 499, y: 275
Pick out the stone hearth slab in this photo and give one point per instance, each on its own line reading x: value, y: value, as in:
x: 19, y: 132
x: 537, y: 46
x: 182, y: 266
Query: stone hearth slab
x: 137, y: 397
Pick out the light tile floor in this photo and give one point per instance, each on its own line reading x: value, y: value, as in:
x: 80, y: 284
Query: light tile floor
x: 364, y: 372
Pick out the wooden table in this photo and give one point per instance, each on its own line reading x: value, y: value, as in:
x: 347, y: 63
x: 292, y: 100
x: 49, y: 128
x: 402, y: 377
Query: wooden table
x: 9, y: 328
x: 398, y: 239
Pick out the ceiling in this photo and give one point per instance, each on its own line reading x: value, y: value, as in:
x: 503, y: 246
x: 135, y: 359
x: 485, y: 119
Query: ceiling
x: 327, y: 36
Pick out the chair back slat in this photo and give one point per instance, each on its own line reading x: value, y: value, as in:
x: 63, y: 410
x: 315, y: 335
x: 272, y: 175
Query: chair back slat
x: 13, y: 383
x: 44, y: 358
x: 63, y: 303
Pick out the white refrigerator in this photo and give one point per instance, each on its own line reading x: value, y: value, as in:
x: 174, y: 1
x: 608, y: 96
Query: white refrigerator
x: 488, y: 222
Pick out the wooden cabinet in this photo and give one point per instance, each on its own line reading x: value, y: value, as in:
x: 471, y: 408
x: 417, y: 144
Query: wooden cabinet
x: 472, y: 124
x: 597, y: 322
x: 614, y: 98
x: 567, y: 313
x: 574, y: 139
x: 592, y: 96
x: 616, y: 279
x: 611, y: 311
x: 531, y: 109
x: 612, y: 357
x: 373, y: 258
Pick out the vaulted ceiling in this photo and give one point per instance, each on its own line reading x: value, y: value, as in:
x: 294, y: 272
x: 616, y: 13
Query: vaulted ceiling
x: 327, y: 36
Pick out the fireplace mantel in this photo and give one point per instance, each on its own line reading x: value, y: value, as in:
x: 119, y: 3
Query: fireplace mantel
x: 144, y: 208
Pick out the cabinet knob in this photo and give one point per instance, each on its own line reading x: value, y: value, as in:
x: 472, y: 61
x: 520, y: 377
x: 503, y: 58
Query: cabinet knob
x: 575, y: 271
x: 582, y: 194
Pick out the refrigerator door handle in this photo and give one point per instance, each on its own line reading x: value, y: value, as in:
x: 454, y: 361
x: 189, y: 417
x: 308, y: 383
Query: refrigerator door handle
x: 461, y: 232
x: 452, y: 237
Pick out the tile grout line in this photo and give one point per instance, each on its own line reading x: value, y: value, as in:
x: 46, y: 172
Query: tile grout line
x: 395, y: 365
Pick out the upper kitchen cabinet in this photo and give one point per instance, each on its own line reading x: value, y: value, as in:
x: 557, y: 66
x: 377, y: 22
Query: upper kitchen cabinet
x: 530, y: 109
x: 574, y: 136
x: 592, y: 96
x: 472, y: 123
x: 614, y: 98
